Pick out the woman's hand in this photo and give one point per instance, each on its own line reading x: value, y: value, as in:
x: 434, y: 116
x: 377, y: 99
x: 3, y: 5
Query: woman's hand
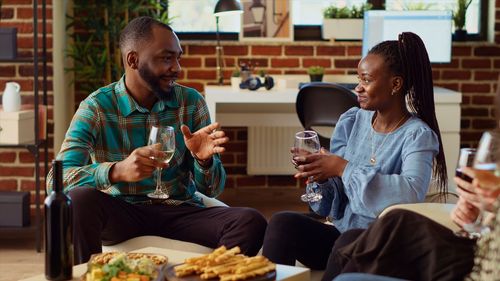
x: 320, y: 166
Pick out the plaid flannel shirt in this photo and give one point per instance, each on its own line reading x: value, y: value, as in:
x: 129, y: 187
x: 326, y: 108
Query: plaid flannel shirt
x: 109, y: 125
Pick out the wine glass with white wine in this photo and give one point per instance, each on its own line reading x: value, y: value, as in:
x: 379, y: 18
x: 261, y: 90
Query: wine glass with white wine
x: 486, y: 166
x: 307, y: 142
x: 161, y: 138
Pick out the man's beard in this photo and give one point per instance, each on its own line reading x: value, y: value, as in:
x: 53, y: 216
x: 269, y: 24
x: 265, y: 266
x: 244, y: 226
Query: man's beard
x: 154, y: 83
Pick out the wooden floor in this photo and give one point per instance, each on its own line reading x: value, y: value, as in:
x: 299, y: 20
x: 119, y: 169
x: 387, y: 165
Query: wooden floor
x: 18, y: 258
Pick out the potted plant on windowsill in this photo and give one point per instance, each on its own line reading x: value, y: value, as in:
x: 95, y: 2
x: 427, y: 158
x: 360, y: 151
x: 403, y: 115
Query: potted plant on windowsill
x: 459, y: 19
x: 8, y: 37
x: 316, y: 73
x: 344, y: 23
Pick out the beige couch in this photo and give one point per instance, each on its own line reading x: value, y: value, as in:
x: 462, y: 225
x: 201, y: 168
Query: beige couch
x: 438, y: 212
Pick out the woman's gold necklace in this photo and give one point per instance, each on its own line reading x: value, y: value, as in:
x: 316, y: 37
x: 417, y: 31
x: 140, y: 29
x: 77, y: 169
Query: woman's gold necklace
x: 373, y: 159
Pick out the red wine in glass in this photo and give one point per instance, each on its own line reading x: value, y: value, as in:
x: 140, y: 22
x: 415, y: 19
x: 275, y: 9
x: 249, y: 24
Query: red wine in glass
x: 460, y: 174
x: 465, y: 159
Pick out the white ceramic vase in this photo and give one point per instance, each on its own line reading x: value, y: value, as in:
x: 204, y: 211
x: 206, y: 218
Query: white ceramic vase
x: 235, y: 83
x: 11, y: 98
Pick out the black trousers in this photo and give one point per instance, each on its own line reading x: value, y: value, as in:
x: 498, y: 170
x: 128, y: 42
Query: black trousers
x: 293, y: 236
x: 404, y: 245
x: 99, y: 218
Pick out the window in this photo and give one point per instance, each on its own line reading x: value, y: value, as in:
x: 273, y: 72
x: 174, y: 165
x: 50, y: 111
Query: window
x: 194, y: 19
x: 197, y: 16
x: 311, y: 11
x: 473, y: 12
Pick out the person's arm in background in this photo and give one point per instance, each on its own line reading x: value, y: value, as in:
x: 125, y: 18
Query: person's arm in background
x: 467, y: 208
x: 204, y: 144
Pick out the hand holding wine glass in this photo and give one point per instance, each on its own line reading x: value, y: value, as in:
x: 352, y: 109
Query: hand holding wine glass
x: 307, y: 142
x: 161, y: 139
x: 485, y: 166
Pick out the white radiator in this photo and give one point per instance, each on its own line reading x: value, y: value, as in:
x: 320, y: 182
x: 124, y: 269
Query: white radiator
x: 269, y: 150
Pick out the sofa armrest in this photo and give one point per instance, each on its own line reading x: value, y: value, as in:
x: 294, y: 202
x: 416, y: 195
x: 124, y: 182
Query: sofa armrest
x: 438, y: 212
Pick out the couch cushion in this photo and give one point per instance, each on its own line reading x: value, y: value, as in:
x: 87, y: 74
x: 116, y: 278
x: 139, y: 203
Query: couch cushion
x: 437, y: 212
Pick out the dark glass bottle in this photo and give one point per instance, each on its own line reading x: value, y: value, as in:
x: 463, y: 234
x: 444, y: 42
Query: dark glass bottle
x: 58, y: 229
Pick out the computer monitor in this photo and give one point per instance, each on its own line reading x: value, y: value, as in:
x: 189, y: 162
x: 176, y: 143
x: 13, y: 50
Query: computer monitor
x: 434, y: 27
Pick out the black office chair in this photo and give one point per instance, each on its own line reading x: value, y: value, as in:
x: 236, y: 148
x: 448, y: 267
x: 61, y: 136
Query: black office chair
x: 321, y: 104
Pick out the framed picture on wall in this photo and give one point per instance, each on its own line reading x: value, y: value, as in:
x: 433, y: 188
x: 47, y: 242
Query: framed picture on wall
x: 266, y: 20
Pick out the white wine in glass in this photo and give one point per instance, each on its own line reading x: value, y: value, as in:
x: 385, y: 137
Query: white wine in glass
x: 307, y: 142
x: 161, y: 138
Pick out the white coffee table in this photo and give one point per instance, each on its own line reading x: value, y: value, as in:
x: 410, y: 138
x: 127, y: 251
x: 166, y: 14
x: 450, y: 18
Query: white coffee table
x: 283, y: 272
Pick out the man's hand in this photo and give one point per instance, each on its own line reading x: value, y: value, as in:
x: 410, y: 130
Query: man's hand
x: 320, y: 166
x: 140, y: 164
x: 205, y: 142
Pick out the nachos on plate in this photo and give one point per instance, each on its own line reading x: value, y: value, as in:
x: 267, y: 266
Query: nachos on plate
x: 119, y: 266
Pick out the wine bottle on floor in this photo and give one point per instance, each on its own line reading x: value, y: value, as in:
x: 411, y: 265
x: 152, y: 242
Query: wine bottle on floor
x: 58, y: 229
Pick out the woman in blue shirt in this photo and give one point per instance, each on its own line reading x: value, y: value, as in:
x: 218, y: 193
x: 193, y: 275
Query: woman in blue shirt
x: 380, y: 154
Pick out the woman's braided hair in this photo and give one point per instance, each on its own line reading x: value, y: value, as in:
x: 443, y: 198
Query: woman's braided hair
x: 408, y: 58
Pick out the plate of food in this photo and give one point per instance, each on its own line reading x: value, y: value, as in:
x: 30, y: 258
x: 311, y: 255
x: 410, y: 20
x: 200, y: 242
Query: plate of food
x: 118, y: 266
x: 224, y: 265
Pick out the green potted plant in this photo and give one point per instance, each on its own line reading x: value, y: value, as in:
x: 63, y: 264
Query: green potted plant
x: 459, y: 19
x: 316, y: 73
x: 8, y: 37
x: 344, y: 23
x: 93, y: 50
x: 236, y: 79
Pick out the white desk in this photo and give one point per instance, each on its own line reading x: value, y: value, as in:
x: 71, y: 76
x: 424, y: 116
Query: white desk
x: 276, y: 108
x: 283, y: 272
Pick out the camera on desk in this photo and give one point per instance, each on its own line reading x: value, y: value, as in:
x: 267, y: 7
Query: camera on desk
x: 253, y: 83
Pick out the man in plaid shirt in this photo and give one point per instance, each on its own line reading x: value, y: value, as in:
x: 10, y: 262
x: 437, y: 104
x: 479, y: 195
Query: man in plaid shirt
x: 108, y: 169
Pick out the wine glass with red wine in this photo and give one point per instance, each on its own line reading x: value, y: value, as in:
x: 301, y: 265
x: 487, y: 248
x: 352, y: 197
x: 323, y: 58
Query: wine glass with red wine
x: 307, y: 142
x: 465, y: 159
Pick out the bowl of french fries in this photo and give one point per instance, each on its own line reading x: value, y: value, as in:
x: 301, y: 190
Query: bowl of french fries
x: 226, y: 265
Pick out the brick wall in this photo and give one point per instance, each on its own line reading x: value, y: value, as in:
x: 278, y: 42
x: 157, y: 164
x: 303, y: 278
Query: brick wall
x: 473, y: 71
x: 16, y: 165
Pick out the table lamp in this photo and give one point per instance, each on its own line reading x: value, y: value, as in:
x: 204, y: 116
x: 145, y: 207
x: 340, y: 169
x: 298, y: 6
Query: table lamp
x: 223, y: 7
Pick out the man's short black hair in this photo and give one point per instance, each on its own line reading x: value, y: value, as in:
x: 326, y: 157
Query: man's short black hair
x: 139, y: 30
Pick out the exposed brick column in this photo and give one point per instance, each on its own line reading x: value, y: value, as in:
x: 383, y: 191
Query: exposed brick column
x: 17, y: 165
